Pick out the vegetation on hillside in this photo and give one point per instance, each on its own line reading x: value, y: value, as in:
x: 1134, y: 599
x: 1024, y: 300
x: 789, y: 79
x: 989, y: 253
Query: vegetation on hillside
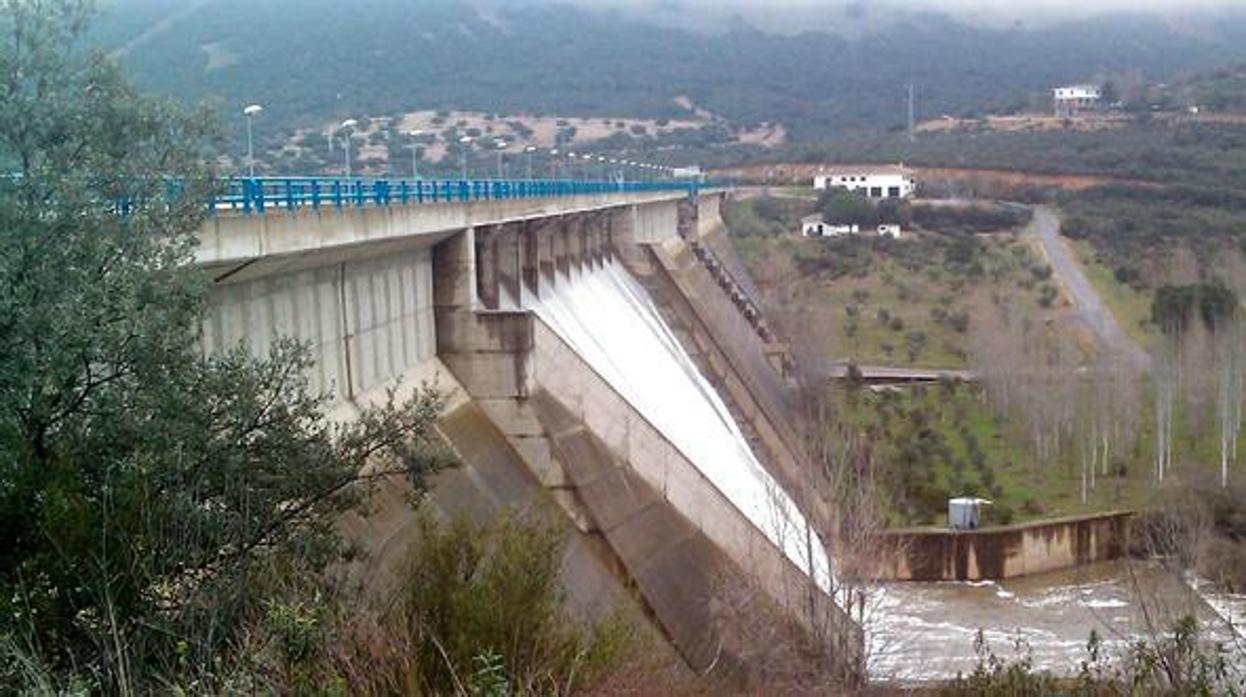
x: 932, y: 443
x: 478, y: 610
x: 1176, y: 152
x: 877, y: 300
x: 331, y: 60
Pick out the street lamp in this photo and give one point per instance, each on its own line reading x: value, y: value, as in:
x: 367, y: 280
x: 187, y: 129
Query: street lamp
x: 415, y: 152
x: 348, y: 126
x: 555, y: 164
x: 501, y: 147
x: 464, y: 143
x: 529, y: 150
x: 250, y: 113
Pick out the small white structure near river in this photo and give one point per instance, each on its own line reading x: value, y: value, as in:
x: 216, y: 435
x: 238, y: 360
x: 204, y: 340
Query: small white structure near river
x: 816, y: 226
x: 965, y: 513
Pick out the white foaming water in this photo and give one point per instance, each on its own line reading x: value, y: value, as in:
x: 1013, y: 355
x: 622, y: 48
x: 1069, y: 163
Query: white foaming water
x: 609, y: 320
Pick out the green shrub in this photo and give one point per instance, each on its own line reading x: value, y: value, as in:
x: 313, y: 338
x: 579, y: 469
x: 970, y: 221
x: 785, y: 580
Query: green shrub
x: 1046, y: 295
x: 493, y: 591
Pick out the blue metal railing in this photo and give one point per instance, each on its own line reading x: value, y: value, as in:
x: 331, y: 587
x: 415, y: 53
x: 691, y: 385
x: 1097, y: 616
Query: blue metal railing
x: 258, y: 194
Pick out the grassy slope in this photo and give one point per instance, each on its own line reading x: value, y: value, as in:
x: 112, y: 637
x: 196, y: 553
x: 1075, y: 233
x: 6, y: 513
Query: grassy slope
x: 1029, y: 489
x: 1026, y: 488
x: 822, y: 301
x: 879, y: 342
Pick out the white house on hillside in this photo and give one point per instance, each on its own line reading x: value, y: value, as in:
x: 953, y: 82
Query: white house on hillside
x: 1073, y: 99
x: 874, y: 181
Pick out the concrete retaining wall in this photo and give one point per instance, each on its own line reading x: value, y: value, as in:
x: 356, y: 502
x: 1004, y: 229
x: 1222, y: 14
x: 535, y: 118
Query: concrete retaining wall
x: 709, y: 212
x: 1007, y: 551
x: 368, y: 321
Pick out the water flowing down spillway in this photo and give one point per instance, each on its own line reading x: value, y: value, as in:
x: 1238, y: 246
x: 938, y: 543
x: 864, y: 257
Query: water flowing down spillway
x: 610, y: 321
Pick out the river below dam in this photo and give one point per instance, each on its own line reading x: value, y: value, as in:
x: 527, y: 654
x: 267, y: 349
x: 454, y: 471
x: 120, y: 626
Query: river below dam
x: 921, y: 632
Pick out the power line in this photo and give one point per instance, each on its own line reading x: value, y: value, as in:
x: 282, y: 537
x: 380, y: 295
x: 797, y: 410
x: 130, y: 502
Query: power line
x: 912, y: 132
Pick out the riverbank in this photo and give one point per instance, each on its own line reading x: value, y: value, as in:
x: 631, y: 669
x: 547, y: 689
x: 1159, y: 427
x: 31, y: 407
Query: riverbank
x: 921, y: 633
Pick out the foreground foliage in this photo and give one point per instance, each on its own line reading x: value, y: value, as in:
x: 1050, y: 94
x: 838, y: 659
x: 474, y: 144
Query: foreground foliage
x: 478, y: 609
x: 1180, y: 662
x: 145, y: 490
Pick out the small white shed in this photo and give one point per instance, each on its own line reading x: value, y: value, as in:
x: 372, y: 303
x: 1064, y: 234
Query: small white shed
x: 965, y: 513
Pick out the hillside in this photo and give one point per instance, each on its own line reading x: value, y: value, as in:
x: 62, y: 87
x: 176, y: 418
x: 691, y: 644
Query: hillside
x: 311, y: 61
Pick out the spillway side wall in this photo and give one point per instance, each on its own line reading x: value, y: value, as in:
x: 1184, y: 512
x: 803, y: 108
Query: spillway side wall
x: 1006, y: 552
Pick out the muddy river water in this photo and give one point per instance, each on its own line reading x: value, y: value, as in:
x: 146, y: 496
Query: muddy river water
x: 926, y: 631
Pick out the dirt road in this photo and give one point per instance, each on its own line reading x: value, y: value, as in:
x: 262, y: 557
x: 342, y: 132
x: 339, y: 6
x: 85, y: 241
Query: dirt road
x: 1090, y: 309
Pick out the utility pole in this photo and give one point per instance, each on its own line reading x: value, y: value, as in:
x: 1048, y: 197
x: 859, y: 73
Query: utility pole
x: 912, y: 133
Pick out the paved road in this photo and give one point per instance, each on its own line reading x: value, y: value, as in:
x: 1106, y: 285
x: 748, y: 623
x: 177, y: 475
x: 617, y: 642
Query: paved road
x: 1067, y: 270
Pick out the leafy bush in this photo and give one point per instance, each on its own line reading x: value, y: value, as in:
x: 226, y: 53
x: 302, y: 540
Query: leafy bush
x: 479, y: 609
x: 1047, y: 294
x: 1177, y: 662
x: 474, y: 589
x: 841, y: 207
x: 975, y: 218
x: 1175, y: 307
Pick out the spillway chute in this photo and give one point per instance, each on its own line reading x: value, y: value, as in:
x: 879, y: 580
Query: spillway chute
x: 609, y: 320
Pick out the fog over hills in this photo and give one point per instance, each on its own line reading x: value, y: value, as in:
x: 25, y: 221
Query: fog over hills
x: 854, y: 16
x: 310, y: 61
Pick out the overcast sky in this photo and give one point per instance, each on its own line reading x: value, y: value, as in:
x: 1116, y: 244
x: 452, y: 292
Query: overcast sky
x: 1065, y: 7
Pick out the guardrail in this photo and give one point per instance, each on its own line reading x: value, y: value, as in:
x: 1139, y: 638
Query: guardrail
x: 257, y: 194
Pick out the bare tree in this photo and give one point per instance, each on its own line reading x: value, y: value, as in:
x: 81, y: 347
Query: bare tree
x: 1229, y: 379
x: 1166, y: 378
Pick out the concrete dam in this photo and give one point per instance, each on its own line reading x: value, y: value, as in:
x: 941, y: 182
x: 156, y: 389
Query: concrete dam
x: 601, y: 360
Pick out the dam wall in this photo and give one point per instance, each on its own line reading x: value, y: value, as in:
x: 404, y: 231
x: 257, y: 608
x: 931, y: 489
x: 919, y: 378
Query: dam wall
x: 562, y: 372
x: 533, y: 383
x: 366, y: 320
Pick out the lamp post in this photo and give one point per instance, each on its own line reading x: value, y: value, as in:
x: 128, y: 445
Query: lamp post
x: 555, y: 164
x: 529, y: 150
x: 348, y: 128
x: 500, y: 145
x: 415, y: 152
x: 250, y: 113
x: 464, y: 143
